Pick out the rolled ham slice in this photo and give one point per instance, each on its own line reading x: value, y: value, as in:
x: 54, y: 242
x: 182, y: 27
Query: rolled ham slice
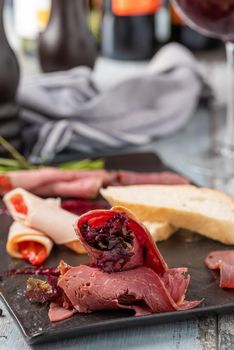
x: 216, y: 258
x: 81, y: 188
x: 19, y: 233
x: 51, y: 181
x: 164, y: 178
x: 44, y: 216
x: 222, y: 260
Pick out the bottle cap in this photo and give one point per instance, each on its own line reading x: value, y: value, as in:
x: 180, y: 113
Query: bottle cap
x: 135, y: 8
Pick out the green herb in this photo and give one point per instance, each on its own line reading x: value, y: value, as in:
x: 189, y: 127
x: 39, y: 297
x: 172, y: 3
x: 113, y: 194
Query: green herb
x: 9, y: 162
x: 15, y: 154
x: 84, y: 164
x: 19, y: 162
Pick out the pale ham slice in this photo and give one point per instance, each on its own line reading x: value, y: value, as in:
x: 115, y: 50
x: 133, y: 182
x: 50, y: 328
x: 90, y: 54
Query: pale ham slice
x: 46, y: 217
x: 21, y: 233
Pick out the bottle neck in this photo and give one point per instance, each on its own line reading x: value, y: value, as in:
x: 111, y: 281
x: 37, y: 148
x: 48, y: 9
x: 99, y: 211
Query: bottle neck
x: 72, y: 12
x: 1, y: 16
x: 1, y: 7
x: 108, y: 6
x: 2, y: 29
x: 64, y: 8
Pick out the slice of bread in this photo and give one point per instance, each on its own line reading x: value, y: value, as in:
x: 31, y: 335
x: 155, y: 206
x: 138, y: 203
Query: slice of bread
x: 208, y: 212
x: 160, y: 231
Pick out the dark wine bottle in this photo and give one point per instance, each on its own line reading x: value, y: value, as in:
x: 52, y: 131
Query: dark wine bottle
x: 9, y: 68
x: 128, y: 29
x: 188, y: 37
x: 10, y: 126
x: 67, y: 41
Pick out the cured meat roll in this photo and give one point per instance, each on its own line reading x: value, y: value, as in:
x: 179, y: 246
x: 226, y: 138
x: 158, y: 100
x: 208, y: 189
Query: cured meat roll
x: 115, y: 240
x: 51, y: 181
x: 222, y: 260
x: 126, y: 271
x: 164, y: 178
x: 28, y: 244
x: 44, y: 216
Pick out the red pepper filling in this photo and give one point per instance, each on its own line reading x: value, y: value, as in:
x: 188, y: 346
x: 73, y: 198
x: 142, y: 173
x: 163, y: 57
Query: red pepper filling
x: 19, y: 205
x: 111, y: 235
x: 33, y: 252
x: 5, y: 184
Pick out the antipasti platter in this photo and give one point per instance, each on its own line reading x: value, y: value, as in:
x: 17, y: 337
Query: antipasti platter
x: 183, y: 249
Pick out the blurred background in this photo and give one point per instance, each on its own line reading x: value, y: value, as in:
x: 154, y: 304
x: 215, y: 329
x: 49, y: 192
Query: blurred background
x: 114, y: 38
x: 120, y: 30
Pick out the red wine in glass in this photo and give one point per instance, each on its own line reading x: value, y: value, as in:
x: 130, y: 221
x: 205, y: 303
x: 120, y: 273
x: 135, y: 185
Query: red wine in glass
x: 212, y: 17
x: 215, y: 18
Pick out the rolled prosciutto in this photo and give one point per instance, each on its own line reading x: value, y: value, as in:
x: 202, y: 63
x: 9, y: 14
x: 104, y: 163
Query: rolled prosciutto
x: 51, y: 181
x: 26, y: 243
x: 222, y: 260
x: 164, y: 178
x: 126, y: 270
x: 43, y: 215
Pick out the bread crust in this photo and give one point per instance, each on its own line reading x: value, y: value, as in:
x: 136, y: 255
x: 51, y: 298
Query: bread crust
x: 214, y: 226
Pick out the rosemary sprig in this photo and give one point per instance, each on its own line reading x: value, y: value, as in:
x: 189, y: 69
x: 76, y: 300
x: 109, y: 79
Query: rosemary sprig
x: 15, y: 154
x: 84, y: 164
x: 9, y: 162
x: 19, y: 162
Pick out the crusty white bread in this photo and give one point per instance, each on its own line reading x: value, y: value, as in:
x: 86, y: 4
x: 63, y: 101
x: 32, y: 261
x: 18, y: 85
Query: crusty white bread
x: 160, y: 231
x: 206, y: 211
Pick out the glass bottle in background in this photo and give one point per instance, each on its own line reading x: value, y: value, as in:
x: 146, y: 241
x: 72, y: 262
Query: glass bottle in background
x: 67, y: 41
x: 9, y: 68
x: 9, y: 80
x: 30, y: 18
x: 95, y: 19
x: 163, y: 24
x: 128, y: 29
x: 188, y: 37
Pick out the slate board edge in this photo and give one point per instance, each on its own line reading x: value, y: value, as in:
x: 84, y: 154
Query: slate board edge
x: 130, y: 321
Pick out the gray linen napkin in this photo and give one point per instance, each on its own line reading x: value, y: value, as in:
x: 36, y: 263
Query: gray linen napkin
x: 65, y: 111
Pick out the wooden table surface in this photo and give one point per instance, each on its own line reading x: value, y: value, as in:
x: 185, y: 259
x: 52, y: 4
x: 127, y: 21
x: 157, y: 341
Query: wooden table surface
x: 214, y: 332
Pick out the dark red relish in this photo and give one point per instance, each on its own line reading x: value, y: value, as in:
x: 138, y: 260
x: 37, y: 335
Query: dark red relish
x: 114, y: 238
x: 79, y: 207
x: 40, y: 291
x: 46, y: 271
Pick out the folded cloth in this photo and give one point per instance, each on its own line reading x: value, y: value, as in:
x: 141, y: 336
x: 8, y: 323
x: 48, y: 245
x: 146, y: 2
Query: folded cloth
x: 69, y: 112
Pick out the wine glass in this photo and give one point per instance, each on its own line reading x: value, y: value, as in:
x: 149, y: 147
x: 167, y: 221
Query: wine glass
x: 215, y: 18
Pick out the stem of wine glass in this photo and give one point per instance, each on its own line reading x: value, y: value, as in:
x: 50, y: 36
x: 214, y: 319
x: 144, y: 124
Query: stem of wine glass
x: 228, y: 141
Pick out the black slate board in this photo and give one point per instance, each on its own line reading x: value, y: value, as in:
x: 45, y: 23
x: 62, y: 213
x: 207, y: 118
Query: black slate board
x: 183, y: 249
